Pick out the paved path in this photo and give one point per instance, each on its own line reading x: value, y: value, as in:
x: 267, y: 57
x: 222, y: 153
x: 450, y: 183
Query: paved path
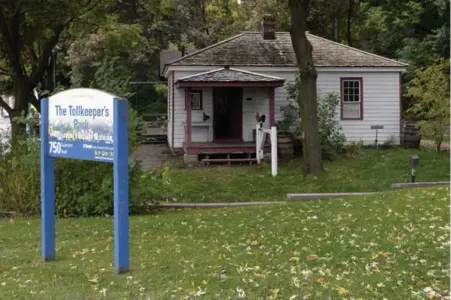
x: 152, y: 156
x: 431, y: 144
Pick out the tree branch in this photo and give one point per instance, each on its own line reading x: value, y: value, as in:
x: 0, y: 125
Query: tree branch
x: 46, y: 53
x: 4, y: 72
x: 5, y: 106
x: 52, y: 41
x: 9, y: 45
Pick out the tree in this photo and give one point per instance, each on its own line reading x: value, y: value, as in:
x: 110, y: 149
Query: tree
x: 430, y: 88
x: 307, y: 97
x: 29, y: 32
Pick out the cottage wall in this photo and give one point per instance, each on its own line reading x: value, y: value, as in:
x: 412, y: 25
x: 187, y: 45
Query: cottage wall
x: 381, y: 104
x: 198, y: 134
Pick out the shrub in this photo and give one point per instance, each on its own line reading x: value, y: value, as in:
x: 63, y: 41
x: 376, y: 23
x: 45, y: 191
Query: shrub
x: 431, y: 90
x: 83, y: 188
x: 331, y: 135
x: 332, y: 138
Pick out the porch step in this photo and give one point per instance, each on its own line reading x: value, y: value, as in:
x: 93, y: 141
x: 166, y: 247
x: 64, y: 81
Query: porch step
x: 228, y: 160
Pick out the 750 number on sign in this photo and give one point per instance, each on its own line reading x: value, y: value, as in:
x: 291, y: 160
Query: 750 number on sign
x: 55, y: 147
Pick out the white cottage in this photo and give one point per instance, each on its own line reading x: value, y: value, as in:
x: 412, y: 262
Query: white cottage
x: 216, y: 92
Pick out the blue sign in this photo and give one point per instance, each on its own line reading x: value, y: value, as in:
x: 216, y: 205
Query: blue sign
x: 81, y: 128
x: 85, y: 124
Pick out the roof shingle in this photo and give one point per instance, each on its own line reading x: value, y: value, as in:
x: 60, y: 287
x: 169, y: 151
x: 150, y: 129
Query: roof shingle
x: 250, y: 49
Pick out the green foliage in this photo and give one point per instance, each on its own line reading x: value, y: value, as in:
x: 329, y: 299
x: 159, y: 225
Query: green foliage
x: 112, y: 77
x: 83, y: 188
x: 331, y: 136
x: 114, y: 48
x: 290, y: 121
x: 431, y: 90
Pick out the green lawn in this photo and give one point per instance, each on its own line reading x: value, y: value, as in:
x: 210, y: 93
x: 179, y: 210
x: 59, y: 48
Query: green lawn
x: 431, y: 138
x: 393, y: 245
x: 371, y: 171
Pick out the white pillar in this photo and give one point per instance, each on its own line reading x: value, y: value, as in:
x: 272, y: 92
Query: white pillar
x: 257, y: 142
x: 274, y: 151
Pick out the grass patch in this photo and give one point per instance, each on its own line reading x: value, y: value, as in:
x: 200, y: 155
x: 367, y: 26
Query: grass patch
x: 372, y: 170
x: 392, y: 245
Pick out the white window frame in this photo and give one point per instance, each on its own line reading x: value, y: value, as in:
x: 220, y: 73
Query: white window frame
x: 351, y: 97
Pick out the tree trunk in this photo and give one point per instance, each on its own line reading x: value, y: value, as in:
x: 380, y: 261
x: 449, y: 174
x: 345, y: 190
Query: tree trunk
x: 307, y: 87
x: 349, y: 23
x: 22, y: 92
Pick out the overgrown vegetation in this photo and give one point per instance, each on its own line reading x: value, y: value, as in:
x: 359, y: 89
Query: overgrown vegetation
x: 393, y: 245
x: 430, y: 88
x: 332, y: 138
x: 83, y: 188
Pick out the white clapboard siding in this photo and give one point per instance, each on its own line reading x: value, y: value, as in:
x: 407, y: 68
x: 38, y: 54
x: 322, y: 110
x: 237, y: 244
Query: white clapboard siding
x: 198, y: 134
x: 381, y: 104
x: 254, y: 100
x: 169, y: 127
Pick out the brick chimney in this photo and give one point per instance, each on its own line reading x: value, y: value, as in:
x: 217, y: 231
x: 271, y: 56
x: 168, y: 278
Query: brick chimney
x: 269, y: 27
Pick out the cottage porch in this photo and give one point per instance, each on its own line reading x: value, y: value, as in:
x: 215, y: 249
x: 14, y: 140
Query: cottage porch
x: 226, y: 117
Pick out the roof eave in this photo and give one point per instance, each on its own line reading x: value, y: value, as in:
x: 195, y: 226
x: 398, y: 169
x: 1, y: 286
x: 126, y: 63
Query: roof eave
x: 185, y: 84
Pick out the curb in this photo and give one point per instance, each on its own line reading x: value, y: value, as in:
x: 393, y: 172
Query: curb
x: 216, y: 205
x: 418, y: 184
x: 318, y: 196
x: 297, y: 197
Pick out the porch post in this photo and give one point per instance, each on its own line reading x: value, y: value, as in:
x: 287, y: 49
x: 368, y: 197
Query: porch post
x: 272, y: 107
x: 188, y: 116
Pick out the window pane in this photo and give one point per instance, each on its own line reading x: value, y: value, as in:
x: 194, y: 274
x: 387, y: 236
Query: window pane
x: 345, y: 84
x: 351, y: 110
x: 347, y: 98
x: 346, y: 91
x: 195, y: 101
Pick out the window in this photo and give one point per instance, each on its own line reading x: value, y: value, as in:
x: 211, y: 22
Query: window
x: 351, y: 99
x: 196, y: 100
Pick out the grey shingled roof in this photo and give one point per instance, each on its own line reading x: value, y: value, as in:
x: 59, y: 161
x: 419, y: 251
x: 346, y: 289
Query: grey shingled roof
x: 228, y: 75
x: 250, y: 49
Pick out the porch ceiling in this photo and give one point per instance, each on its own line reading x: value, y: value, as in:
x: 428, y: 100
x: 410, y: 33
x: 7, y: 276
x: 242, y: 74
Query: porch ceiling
x: 227, y: 77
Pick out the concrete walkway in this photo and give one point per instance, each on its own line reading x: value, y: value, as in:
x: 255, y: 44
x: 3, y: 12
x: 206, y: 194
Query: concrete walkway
x: 152, y: 156
x: 431, y: 144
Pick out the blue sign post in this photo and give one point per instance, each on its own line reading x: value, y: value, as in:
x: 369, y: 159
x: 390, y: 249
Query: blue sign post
x: 85, y: 124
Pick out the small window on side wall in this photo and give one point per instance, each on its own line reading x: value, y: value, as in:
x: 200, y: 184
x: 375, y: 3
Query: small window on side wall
x: 351, y: 99
x: 196, y: 100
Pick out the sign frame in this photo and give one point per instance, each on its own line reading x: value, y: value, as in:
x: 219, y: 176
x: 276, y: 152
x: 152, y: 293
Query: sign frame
x: 120, y: 171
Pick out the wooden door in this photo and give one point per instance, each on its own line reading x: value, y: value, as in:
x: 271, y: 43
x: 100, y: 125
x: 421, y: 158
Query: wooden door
x: 228, y: 114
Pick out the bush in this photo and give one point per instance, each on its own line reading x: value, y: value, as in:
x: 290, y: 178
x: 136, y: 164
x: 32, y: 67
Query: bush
x: 83, y: 188
x: 331, y: 135
x: 332, y: 139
